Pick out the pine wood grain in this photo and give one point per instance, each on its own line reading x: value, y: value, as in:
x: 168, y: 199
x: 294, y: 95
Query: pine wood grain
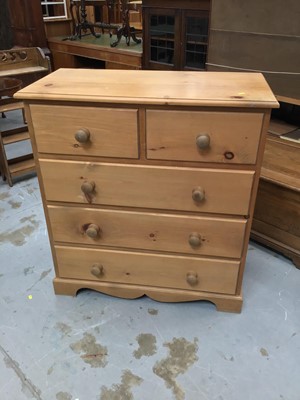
x: 226, y: 191
x: 153, y: 87
x: 214, y: 275
x: 171, y: 135
x: 113, y: 132
x: 152, y: 231
x: 70, y: 287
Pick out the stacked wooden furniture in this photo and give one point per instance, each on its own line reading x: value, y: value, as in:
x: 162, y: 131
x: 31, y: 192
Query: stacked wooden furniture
x: 13, y: 167
x: 27, y: 64
x: 276, y: 220
x: 149, y: 179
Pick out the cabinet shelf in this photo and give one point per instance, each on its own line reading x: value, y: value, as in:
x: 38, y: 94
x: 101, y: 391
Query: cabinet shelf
x: 195, y: 42
x: 12, y: 167
x: 162, y: 38
x: 15, y: 135
x: 20, y: 165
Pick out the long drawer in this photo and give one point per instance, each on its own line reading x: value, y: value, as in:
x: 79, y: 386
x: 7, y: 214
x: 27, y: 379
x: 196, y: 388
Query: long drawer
x: 211, y: 275
x: 185, y: 189
x: 88, y: 131
x: 160, y: 232
x: 203, y: 136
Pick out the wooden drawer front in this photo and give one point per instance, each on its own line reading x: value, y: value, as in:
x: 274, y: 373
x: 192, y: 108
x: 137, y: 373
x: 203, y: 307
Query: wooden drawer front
x: 211, y: 275
x: 161, y: 232
x: 113, y: 131
x: 225, y: 191
x: 233, y: 137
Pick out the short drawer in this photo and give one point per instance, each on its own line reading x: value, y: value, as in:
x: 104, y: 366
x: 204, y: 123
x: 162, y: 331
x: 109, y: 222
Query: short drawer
x: 185, y: 189
x: 203, y: 136
x: 203, y: 274
x: 157, y: 232
x: 86, y: 131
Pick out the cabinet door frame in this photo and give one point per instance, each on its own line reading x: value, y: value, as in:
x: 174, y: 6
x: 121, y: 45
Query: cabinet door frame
x: 185, y: 14
x: 156, y: 65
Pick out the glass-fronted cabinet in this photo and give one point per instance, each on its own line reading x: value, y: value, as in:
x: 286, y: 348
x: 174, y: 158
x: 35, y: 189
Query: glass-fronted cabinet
x: 162, y: 38
x: 175, y: 37
x: 195, y: 40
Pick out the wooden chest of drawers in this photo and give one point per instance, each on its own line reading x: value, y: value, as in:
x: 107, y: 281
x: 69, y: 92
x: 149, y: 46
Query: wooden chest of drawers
x: 149, y: 179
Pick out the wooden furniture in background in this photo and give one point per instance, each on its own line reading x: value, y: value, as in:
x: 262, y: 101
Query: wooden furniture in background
x: 175, y: 34
x: 27, y: 23
x: 57, y: 21
x: 18, y: 67
x: 126, y: 30
x: 81, y: 21
x: 58, y: 27
x: 11, y: 168
x: 276, y: 220
x: 103, y: 18
x: 89, y: 51
x: 27, y: 64
x: 135, y: 13
x: 149, y: 179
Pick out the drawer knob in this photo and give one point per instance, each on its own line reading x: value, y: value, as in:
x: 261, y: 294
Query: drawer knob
x: 192, y: 278
x: 203, y: 141
x: 97, y: 270
x: 195, y: 239
x: 198, y: 194
x: 93, y: 231
x: 82, y: 135
x: 88, y: 187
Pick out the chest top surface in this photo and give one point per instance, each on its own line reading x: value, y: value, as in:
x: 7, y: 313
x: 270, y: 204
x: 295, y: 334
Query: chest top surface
x: 223, y: 89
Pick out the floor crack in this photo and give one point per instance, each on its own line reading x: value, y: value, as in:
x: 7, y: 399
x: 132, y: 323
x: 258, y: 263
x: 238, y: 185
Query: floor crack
x: 26, y: 383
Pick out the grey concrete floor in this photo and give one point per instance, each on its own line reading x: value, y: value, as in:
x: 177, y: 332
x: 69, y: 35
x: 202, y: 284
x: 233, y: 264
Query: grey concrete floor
x: 96, y: 347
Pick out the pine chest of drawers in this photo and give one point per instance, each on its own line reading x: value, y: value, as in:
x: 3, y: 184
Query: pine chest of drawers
x: 149, y: 179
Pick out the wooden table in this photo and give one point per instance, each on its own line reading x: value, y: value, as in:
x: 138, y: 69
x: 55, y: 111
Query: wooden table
x: 67, y: 53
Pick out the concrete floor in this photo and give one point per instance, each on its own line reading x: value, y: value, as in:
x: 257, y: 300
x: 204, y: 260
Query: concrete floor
x: 96, y: 347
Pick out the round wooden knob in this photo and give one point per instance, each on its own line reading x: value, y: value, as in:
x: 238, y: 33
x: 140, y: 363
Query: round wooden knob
x: 93, y: 231
x: 198, y: 194
x: 195, y: 239
x: 88, y: 187
x: 97, y: 270
x: 203, y: 141
x: 82, y: 135
x: 192, y: 278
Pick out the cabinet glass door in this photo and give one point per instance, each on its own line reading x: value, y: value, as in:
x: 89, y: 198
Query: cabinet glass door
x: 162, y: 39
x: 196, y: 40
